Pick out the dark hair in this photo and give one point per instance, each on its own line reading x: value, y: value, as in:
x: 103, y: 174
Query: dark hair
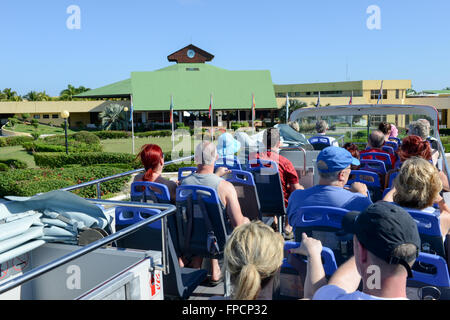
x: 414, y: 146
x: 271, y: 137
x: 384, y: 127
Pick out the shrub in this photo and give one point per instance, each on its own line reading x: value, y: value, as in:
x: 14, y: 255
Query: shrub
x: 12, y: 122
x: 28, y: 182
x: 159, y: 133
x: 74, y: 147
x: 3, y: 167
x: 14, y: 141
x: 35, y: 135
x: 58, y: 160
x: 14, y: 164
x: 109, y: 134
x: 86, y: 137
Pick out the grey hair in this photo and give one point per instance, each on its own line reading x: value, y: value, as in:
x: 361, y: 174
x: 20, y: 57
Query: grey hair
x: 376, y: 138
x: 205, y: 153
x: 321, y: 126
x: 419, y: 128
x: 330, y: 176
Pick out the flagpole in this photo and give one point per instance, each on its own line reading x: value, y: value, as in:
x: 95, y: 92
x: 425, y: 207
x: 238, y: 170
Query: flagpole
x: 171, y: 119
x: 351, y: 120
x: 287, y: 108
x: 132, y: 124
x: 212, y: 117
x: 253, y: 112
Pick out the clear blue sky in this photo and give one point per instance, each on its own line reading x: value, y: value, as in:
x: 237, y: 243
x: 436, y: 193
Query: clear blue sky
x: 298, y: 41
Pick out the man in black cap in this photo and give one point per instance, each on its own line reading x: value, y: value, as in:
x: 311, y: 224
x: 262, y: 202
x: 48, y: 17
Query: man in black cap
x: 386, y: 243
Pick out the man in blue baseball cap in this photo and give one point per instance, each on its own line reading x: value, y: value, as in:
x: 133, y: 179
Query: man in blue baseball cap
x: 333, y: 165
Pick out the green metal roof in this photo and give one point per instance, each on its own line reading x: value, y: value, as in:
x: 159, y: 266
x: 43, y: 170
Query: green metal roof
x: 191, y: 85
x: 326, y: 86
x: 437, y: 91
x: 121, y: 89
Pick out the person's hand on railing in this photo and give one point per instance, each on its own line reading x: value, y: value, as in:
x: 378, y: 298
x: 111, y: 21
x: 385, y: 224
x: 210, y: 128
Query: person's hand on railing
x: 221, y: 171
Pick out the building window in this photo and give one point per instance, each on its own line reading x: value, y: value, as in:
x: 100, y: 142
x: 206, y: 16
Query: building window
x: 55, y: 116
x: 397, y: 94
x: 46, y: 116
x: 375, y: 93
x: 37, y: 116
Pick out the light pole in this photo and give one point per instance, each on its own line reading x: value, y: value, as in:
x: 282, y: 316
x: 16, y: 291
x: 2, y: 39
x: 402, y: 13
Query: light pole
x: 65, y: 115
x: 126, y: 112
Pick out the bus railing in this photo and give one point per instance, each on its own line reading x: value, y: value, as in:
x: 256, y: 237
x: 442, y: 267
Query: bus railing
x: 167, y: 210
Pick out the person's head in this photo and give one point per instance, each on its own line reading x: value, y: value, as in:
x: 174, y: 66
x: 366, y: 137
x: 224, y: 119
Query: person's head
x: 253, y: 254
x: 376, y: 139
x: 385, y: 236
x: 294, y: 125
x: 385, y: 127
x: 152, y: 158
x: 414, y: 146
x: 321, y: 126
x: 353, y: 149
x: 394, y: 131
x: 419, y: 128
x: 227, y: 145
x: 271, y: 138
x: 417, y: 185
x: 205, y: 154
x: 334, y: 166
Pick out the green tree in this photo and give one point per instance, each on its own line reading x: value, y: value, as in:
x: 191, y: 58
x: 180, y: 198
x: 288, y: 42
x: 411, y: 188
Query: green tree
x: 36, y: 96
x: 294, y: 104
x: 71, y: 91
x: 113, y: 117
x: 9, y: 95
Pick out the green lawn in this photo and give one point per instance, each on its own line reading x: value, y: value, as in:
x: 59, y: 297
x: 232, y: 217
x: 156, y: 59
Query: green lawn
x: 125, y: 145
x: 18, y: 153
x: 42, y: 129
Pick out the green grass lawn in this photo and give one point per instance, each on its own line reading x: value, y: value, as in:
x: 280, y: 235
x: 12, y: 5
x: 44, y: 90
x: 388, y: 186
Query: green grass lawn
x: 125, y: 145
x: 42, y: 129
x: 18, y: 153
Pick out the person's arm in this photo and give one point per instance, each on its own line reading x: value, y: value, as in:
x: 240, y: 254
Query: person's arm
x: 389, y: 197
x: 232, y: 204
x: 346, y: 276
x: 315, y: 273
x: 221, y: 171
x: 359, y: 187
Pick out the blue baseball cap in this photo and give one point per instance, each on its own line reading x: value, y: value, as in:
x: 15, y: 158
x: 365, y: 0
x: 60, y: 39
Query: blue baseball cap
x: 332, y: 159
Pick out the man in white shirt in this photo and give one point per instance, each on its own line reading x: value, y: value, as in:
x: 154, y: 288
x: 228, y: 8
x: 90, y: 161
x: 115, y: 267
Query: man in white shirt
x: 321, y: 128
x: 385, y: 244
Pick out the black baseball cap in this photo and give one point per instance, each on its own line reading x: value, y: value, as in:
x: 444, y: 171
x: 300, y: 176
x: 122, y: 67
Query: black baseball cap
x: 381, y: 228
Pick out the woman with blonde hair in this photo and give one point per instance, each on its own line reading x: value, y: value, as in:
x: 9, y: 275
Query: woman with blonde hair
x: 253, y: 257
x: 417, y: 186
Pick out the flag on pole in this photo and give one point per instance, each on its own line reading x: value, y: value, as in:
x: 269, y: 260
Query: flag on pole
x: 210, y: 106
x: 171, y: 109
x: 287, y: 107
x: 253, y: 107
x: 318, y: 101
x: 351, y: 99
x: 380, y: 96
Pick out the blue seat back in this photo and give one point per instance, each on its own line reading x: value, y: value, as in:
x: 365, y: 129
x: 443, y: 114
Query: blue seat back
x: 184, y: 172
x: 318, y: 216
x: 192, y: 224
x: 391, y: 178
x: 369, y: 178
x: 376, y: 156
x: 268, y: 186
x: 399, y: 142
x: 392, y: 144
x: 439, y: 277
x: 143, y: 191
x: 319, y: 142
x: 428, y: 225
x: 377, y: 166
x: 230, y: 163
x: 247, y: 193
x: 328, y: 258
x: 388, y: 149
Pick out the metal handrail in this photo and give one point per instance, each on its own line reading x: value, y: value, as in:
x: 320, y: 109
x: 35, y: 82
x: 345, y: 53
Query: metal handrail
x: 116, y: 176
x: 167, y: 210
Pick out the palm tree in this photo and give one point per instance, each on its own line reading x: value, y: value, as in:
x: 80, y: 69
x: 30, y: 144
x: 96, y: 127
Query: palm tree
x: 9, y: 95
x: 448, y: 88
x: 294, y: 104
x: 67, y: 94
x: 37, y: 96
x: 113, y: 117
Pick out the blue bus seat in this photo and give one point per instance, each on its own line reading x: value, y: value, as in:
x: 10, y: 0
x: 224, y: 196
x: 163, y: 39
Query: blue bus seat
x: 370, y: 179
x: 202, y: 224
x: 145, y: 191
x: 376, y: 156
x: 325, y: 224
x: 392, y: 144
x: 184, y: 172
x: 268, y: 186
x: 377, y: 166
x: 430, y: 269
x: 399, y: 142
x: 230, y: 163
x: 180, y: 282
x: 247, y: 193
x: 319, y: 142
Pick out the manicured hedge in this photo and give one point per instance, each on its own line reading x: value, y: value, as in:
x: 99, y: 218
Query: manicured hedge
x: 112, y: 134
x: 14, y: 141
x: 158, y: 133
x: 28, y: 182
x: 73, y: 146
x: 59, y: 160
x: 14, y: 164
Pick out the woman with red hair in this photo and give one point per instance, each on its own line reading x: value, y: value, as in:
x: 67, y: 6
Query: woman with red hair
x: 152, y: 158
